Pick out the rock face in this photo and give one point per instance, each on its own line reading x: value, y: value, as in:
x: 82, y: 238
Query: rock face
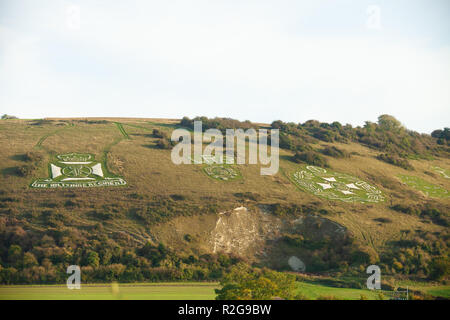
x: 243, y: 232
x: 256, y: 235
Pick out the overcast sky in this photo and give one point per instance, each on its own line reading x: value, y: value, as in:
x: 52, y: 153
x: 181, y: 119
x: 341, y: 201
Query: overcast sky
x: 334, y: 60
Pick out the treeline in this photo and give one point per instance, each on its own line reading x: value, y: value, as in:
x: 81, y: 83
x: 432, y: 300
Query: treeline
x: 423, y: 256
x: 442, y: 136
x: 217, y: 123
x: 31, y: 257
x: 326, y: 254
x: 387, y: 136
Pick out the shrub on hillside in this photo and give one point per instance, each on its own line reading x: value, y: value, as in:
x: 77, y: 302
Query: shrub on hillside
x: 164, y: 143
x: 217, y: 123
x: 280, y: 210
x: 383, y: 220
x: 441, y: 136
x: 20, y: 171
x: 439, y: 268
x: 405, y: 209
x: 159, y: 134
x: 28, y: 157
x: 335, y: 152
x: 396, y: 161
x: 40, y: 122
x: 425, y: 212
x: 312, y: 158
x: 7, y: 116
x: 248, y: 196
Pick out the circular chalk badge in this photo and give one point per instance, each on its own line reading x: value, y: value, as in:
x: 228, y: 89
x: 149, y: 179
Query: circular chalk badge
x: 335, y: 185
x: 222, y: 172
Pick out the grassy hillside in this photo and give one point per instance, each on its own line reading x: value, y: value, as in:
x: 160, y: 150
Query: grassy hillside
x: 174, y: 209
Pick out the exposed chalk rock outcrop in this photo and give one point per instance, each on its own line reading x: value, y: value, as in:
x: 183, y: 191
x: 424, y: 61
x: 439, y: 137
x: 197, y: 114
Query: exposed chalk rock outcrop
x: 242, y: 231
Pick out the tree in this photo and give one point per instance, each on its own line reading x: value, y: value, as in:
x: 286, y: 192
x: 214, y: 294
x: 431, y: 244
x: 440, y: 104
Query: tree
x: 14, y: 254
x: 93, y: 259
x: 29, y: 260
x: 6, y: 116
x: 186, y: 122
x: 245, y: 283
x: 437, y: 133
x: 389, y: 123
x: 439, y: 268
x: 442, y: 136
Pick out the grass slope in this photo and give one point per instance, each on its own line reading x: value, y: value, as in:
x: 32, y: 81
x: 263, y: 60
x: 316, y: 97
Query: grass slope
x: 150, y: 173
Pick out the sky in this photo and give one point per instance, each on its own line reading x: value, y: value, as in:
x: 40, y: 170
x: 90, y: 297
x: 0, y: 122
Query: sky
x: 328, y: 60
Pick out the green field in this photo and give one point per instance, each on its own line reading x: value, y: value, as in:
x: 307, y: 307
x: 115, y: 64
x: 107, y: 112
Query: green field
x: 183, y: 291
x: 157, y: 291
x: 429, y: 189
x: 435, y: 290
x: 150, y: 291
x: 314, y: 291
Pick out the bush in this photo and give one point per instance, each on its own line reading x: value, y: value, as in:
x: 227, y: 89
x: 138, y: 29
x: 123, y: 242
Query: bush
x: 383, y: 220
x: 439, y: 268
x: 19, y: 171
x: 164, y: 143
x: 335, y: 152
x: 312, y: 158
x: 402, y: 163
x: 293, y: 143
x: 245, y: 283
x: 405, y: 209
x: 442, y: 136
x: 70, y: 204
x: 7, y: 116
x: 217, y: 123
x: 178, y: 197
x: 28, y: 157
x: 248, y: 196
x: 159, y: 134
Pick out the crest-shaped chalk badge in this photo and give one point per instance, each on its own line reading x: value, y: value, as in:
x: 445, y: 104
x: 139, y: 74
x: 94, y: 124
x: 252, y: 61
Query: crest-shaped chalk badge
x: 74, y: 170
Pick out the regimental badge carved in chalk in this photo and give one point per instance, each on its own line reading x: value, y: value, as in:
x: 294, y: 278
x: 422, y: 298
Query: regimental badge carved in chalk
x: 335, y: 186
x: 75, y: 170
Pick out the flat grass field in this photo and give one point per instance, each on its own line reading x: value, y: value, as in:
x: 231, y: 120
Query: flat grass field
x: 140, y: 291
x: 179, y: 291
